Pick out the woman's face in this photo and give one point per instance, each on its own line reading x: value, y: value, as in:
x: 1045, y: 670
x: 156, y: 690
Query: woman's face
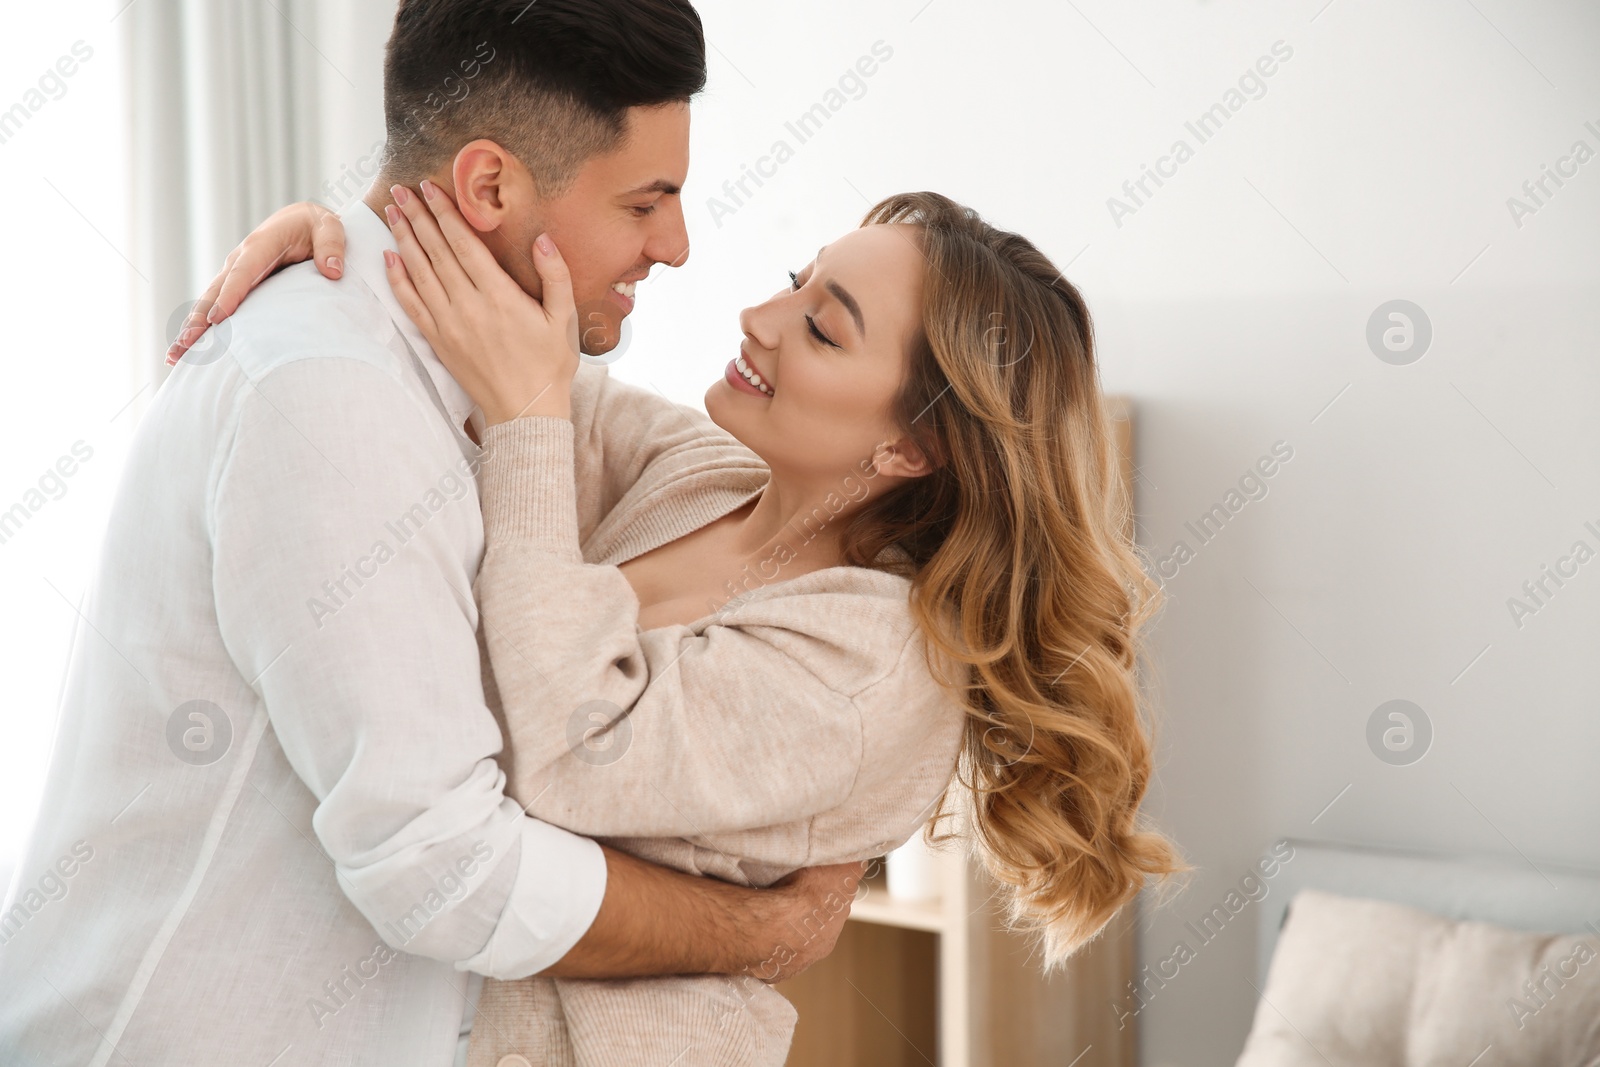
x: 832, y: 352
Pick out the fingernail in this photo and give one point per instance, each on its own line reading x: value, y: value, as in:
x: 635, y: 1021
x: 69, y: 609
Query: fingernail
x: 335, y: 263
x: 391, y: 213
x: 545, y: 245
x: 428, y: 189
x: 400, y: 193
x: 214, y: 316
x: 390, y: 259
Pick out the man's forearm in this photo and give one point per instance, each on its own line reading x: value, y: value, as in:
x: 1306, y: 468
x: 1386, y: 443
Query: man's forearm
x: 655, y: 921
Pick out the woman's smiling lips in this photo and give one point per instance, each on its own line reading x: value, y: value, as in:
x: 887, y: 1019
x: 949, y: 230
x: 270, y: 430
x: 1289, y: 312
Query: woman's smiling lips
x: 760, y: 386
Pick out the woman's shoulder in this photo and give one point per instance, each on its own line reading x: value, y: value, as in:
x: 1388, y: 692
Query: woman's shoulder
x: 904, y: 703
x: 851, y: 626
x: 841, y: 595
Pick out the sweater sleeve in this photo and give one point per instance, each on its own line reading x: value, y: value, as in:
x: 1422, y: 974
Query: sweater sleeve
x: 621, y: 430
x: 618, y: 732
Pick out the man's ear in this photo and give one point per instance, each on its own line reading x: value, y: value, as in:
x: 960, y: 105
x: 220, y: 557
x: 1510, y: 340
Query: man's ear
x: 487, y: 181
x: 902, y: 458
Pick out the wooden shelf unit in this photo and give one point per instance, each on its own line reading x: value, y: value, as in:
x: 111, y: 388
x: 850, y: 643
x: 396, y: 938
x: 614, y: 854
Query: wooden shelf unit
x: 942, y: 983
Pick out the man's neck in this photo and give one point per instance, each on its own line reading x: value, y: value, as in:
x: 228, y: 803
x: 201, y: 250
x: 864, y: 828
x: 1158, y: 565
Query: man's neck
x: 378, y: 197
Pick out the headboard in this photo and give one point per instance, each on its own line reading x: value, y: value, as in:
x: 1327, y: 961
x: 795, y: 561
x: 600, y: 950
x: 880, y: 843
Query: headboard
x: 1508, y: 893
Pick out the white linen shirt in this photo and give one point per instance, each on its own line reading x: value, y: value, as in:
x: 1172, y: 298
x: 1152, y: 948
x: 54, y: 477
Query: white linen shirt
x: 274, y: 831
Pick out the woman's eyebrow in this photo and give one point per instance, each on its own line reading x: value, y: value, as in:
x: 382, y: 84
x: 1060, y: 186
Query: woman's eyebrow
x: 850, y: 305
x: 843, y: 296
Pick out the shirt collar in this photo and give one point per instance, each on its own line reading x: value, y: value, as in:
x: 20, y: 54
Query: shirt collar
x: 366, y: 236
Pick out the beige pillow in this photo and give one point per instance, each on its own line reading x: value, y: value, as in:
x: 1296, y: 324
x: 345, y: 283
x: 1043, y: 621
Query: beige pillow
x: 1368, y: 983
x: 1339, y: 988
x: 1526, y: 998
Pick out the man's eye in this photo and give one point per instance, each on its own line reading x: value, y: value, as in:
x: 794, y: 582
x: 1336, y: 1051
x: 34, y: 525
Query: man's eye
x: 641, y: 212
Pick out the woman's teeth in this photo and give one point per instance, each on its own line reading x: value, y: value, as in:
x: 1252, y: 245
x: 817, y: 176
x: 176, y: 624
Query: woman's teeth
x: 748, y: 373
x: 625, y: 288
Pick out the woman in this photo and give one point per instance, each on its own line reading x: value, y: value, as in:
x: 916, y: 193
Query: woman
x: 943, y: 584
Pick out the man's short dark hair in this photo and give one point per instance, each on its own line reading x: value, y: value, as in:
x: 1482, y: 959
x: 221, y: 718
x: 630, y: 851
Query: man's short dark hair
x: 548, y: 80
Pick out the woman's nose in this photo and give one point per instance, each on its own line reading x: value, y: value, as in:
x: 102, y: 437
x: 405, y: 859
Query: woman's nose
x: 760, y: 325
x: 752, y: 323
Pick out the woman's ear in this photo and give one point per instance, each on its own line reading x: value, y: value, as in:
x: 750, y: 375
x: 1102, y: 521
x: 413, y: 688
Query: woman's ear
x: 486, y: 180
x: 902, y: 458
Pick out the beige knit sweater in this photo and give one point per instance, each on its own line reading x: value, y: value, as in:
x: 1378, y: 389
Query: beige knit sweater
x: 797, y: 725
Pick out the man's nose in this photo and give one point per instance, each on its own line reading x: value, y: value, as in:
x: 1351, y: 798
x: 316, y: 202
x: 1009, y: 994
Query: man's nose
x: 669, y: 243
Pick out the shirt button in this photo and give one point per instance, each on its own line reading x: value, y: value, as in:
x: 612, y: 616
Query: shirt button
x: 513, y: 1060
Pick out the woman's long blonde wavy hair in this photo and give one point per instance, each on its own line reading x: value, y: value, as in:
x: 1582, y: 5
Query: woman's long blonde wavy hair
x: 1023, y: 573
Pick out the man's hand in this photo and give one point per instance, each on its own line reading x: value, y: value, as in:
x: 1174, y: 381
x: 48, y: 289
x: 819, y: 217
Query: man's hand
x: 811, y: 906
x: 653, y: 921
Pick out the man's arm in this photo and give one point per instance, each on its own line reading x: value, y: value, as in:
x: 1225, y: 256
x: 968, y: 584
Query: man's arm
x: 342, y: 537
x: 657, y: 921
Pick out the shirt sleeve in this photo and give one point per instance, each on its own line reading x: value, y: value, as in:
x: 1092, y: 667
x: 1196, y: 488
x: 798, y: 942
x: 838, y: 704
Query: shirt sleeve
x: 343, y: 553
x: 665, y: 732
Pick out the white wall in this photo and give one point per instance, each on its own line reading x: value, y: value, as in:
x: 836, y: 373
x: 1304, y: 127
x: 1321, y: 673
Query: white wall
x: 1233, y: 305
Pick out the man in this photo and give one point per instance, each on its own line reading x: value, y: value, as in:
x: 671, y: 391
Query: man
x: 274, y: 830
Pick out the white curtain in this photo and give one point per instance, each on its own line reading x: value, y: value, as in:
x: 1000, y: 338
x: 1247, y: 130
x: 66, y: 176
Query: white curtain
x: 235, y: 109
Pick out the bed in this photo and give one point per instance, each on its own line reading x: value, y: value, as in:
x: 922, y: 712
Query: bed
x: 1377, y: 956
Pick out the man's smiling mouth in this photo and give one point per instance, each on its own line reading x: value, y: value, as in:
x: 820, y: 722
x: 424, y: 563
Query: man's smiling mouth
x: 624, y: 292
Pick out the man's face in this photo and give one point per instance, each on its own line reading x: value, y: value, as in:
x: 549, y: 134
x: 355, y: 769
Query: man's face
x: 621, y: 216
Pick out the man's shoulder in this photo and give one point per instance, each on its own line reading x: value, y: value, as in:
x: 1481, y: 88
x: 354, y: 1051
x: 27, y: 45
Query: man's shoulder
x: 297, y: 314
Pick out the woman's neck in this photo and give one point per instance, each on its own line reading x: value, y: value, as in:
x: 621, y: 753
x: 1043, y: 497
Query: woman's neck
x: 792, y: 523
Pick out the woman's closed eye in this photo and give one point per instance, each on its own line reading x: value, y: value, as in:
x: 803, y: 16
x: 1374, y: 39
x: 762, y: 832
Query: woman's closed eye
x: 811, y: 323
